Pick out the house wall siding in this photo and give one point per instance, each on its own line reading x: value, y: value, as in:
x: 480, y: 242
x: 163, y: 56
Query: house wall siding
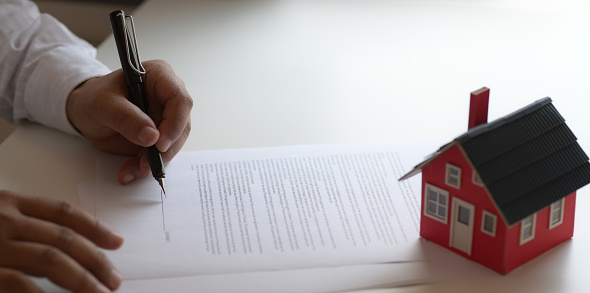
x: 545, y: 238
x: 486, y: 249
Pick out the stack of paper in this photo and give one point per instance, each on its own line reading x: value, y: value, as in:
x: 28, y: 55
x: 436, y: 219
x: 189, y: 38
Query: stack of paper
x: 281, y: 219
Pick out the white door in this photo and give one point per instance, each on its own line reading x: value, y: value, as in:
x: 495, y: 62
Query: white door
x: 462, y: 225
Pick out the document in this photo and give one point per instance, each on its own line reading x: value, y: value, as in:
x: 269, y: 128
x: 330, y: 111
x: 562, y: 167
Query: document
x: 262, y: 209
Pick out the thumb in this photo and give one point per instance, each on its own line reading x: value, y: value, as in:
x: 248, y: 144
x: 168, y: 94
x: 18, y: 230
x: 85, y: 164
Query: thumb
x: 128, y: 120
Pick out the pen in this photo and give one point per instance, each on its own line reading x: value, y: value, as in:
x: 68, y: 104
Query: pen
x: 134, y: 77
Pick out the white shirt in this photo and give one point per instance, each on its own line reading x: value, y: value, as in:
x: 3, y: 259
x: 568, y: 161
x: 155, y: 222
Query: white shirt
x: 41, y: 62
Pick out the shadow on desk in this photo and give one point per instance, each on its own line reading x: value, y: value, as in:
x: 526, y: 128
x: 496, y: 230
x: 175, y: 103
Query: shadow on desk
x: 6, y: 128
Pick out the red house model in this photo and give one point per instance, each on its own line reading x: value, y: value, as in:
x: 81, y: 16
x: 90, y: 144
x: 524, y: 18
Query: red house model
x: 505, y: 191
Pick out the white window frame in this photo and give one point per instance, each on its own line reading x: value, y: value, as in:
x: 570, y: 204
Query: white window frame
x: 552, y: 208
x: 445, y: 204
x: 448, y: 175
x: 476, y: 179
x: 494, y: 223
x: 523, y: 226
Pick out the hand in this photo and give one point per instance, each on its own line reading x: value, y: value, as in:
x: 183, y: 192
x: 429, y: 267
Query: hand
x: 100, y: 110
x: 48, y: 238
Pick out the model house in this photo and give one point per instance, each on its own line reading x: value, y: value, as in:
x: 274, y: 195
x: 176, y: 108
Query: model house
x: 505, y: 191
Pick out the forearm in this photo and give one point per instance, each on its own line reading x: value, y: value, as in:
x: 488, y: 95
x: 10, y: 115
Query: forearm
x: 41, y: 63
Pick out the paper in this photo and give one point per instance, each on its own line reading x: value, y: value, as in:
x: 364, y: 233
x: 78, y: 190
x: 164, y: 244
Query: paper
x: 442, y: 265
x: 333, y: 279
x: 264, y: 209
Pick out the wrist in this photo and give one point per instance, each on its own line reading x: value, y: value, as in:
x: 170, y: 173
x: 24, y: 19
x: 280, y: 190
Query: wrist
x: 75, y: 104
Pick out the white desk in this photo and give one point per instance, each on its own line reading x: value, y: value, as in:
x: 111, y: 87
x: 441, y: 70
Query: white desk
x: 266, y: 73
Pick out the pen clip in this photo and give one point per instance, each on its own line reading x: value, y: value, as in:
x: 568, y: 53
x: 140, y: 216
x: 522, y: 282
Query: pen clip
x: 131, y: 36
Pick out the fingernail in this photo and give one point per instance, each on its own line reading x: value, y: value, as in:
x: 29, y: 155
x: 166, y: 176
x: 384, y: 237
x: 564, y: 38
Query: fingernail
x: 115, y: 279
x: 165, y: 144
x: 102, y: 289
x: 147, y: 135
x: 128, y: 178
x: 116, y: 232
x: 116, y: 239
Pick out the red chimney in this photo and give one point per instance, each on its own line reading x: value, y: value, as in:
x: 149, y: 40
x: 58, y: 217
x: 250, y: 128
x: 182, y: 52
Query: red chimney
x: 478, y: 107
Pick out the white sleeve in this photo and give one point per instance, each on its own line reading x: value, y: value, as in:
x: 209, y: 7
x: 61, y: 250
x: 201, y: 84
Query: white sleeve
x: 41, y: 62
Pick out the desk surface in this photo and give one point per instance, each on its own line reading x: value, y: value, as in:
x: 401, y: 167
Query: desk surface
x: 267, y: 73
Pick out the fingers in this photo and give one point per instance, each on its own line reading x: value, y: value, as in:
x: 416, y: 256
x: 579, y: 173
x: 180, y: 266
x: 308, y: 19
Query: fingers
x: 175, y: 121
x: 131, y: 170
x: 138, y: 167
x: 72, y: 245
x: 64, y: 214
x: 175, y: 148
x: 168, y: 90
x: 116, y: 144
x: 129, y: 121
x: 173, y: 111
x: 41, y: 260
x: 53, y: 239
x: 15, y: 281
x: 100, y: 110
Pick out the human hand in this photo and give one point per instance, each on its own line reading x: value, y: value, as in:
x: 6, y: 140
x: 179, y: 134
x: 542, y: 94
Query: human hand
x: 48, y: 238
x: 100, y: 110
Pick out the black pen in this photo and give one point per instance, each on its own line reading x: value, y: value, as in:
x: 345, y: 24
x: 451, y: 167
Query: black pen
x: 134, y: 76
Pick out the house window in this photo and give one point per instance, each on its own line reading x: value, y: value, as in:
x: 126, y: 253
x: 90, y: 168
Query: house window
x: 464, y: 214
x: 436, y: 203
x: 527, y: 229
x: 476, y: 179
x: 453, y: 176
x: 488, y: 223
x: 556, y: 213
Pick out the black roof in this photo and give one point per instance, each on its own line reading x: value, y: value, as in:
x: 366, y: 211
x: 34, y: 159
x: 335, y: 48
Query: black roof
x: 527, y: 160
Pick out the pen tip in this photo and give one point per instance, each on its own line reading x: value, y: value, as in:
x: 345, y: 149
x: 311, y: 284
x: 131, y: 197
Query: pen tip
x: 161, y: 182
